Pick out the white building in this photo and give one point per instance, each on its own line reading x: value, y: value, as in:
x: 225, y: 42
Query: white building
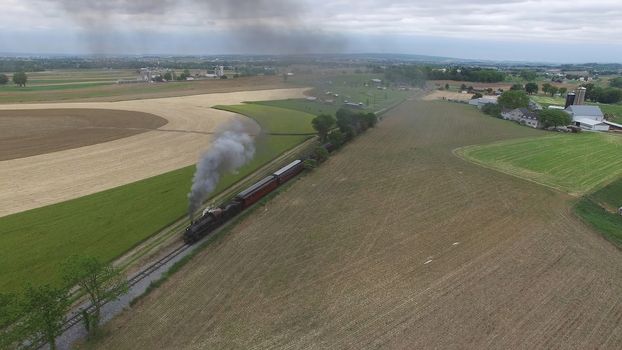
x: 588, y: 117
x: 219, y: 71
x: 482, y: 101
x: 523, y: 116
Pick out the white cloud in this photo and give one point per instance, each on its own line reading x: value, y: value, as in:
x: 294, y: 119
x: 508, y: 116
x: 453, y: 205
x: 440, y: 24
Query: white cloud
x: 550, y: 21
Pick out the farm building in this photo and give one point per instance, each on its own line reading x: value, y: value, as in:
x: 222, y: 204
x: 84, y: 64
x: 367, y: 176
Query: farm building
x: 482, y: 101
x: 613, y: 126
x: 587, y: 117
x: 590, y: 124
x: 585, y: 112
x: 523, y: 116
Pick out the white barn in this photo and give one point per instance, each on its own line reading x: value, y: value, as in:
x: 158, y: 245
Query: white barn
x: 588, y: 117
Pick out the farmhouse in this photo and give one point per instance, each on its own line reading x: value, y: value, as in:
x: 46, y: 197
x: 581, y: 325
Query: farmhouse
x: 587, y: 117
x: 482, y: 101
x: 522, y: 116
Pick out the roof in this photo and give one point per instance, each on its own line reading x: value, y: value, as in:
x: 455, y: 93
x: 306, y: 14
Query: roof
x: 287, y: 167
x: 585, y: 111
x: 255, y: 187
x: 612, y: 124
x: 588, y: 121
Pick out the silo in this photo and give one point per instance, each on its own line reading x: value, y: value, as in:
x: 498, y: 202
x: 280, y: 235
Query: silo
x: 580, y: 96
x: 570, y: 98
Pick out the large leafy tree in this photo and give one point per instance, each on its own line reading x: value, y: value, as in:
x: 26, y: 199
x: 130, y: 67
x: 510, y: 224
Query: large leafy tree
x: 20, y: 78
x: 513, y: 99
x: 554, y: 117
x: 3, y: 79
x: 101, y: 282
x: 322, y: 124
x: 44, y: 310
x: 531, y: 88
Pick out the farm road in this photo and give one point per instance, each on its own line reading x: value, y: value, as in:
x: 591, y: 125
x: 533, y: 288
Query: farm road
x: 396, y: 243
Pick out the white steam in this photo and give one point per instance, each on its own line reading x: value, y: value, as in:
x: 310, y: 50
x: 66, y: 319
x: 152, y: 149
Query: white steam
x: 231, y: 149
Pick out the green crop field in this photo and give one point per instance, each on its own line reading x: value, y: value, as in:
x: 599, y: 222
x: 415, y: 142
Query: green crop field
x: 574, y: 163
x: 302, y: 105
x: 600, y: 210
x: 104, y: 224
x: 51, y: 87
x: 275, y: 119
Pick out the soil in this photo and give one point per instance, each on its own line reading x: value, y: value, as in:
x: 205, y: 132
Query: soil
x: 395, y: 243
x: 30, y: 132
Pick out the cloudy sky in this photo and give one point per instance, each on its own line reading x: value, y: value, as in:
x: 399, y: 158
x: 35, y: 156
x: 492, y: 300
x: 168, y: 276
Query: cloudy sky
x: 547, y: 30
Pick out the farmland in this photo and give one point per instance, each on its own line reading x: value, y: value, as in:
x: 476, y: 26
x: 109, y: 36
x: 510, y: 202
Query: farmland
x: 573, y: 163
x: 87, y: 85
x: 275, y: 119
x: 395, y: 243
x: 105, y: 224
x: 600, y: 210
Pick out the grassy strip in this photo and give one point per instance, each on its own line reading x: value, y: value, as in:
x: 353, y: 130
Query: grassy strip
x: 569, y: 162
x: 608, y: 224
x: 275, y: 119
x: 51, y: 87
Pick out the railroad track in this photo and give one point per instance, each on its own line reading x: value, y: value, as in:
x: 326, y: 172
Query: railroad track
x: 77, y: 316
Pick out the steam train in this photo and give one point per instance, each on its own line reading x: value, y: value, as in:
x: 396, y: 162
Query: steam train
x: 213, y: 218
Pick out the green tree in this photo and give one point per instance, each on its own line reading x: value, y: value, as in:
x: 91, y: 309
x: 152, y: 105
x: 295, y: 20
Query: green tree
x: 517, y: 87
x: 322, y: 124
x: 528, y: 75
x: 562, y: 91
x: 44, y: 312
x: 369, y: 119
x: 446, y: 86
x: 531, y: 88
x: 554, y: 117
x: 476, y: 95
x: 513, y: 99
x: 3, y: 79
x: 546, y: 87
x: 553, y: 90
x: 101, y: 282
x: 463, y: 87
x: 10, y: 312
x: 492, y: 110
x: 168, y: 76
x: 320, y: 154
x: 336, y: 138
x: 616, y: 82
x: 20, y: 79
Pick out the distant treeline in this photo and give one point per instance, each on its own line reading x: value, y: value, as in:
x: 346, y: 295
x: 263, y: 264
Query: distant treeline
x: 417, y: 75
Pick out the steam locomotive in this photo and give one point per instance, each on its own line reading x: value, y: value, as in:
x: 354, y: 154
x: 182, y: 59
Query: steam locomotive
x: 213, y: 218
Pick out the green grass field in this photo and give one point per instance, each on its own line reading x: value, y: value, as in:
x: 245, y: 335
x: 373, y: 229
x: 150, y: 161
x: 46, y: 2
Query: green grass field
x: 599, y: 209
x: 574, y: 163
x: 275, y: 119
x: 302, y: 105
x: 51, y: 87
x: 104, y: 224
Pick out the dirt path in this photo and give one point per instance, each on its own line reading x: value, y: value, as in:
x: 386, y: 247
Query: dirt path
x: 45, y: 179
x: 396, y: 243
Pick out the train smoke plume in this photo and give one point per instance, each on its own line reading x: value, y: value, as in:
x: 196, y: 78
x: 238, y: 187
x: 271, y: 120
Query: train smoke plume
x: 231, y: 149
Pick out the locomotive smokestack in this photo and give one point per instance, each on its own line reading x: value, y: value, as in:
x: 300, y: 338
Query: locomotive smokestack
x: 231, y: 149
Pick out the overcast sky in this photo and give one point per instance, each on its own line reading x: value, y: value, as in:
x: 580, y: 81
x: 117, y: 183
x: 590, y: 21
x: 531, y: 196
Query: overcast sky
x: 551, y: 30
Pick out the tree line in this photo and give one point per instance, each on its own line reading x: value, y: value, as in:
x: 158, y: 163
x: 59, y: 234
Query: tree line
x: 339, y: 129
x: 38, y: 312
x: 19, y: 79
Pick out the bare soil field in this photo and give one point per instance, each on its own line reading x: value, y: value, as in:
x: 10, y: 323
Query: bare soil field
x: 396, y: 243
x: 43, y: 179
x: 27, y: 133
x: 448, y: 95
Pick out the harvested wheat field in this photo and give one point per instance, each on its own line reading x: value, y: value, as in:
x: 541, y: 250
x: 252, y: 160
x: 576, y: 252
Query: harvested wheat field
x: 395, y: 243
x: 44, y: 179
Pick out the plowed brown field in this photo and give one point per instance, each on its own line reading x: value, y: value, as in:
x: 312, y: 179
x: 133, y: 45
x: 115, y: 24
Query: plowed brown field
x: 396, y: 243
x: 27, y: 133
